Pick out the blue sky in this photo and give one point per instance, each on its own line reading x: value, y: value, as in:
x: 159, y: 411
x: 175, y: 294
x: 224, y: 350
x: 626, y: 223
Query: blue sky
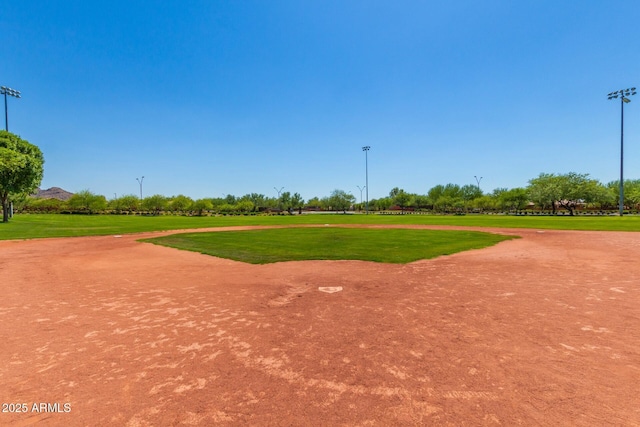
x: 207, y: 98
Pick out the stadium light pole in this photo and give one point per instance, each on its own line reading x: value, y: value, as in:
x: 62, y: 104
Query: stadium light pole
x: 622, y: 94
x: 366, y: 149
x: 478, y: 181
x: 361, y: 192
x: 140, y: 182
x: 279, y: 191
x: 11, y: 92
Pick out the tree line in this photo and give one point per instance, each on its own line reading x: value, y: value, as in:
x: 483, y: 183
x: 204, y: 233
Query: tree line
x: 21, y: 171
x: 549, y: 193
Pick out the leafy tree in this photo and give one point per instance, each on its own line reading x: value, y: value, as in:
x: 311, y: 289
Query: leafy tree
x: 128, y: 202
x: 244, y: 206
x: 86, y: 201
x: 469, y: 193
x: 230, y: 199
x: 484, y: 203
x: 515, y: 199
x: 381, y: 204
x: 21, y: 169
x: 202, y: 205
x: 341, y: 200
x: 34, y: 204
x: 314, y: 203
x: 297, y: 201
x: 285, y: 201
x: 258, y: 200
x: 226, y: 208
x: 544, y: 190
x: 566, y: 190
x: 180, y: 203
x: 401, y: 198
x: 631, y: 192
x: 446, y: 197
x: 422, y: 202
x: 156, y: 203
x: 436, y: 192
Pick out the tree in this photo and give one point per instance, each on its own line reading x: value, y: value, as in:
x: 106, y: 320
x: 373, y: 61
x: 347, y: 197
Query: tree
x: 515, y: 199
x: 469, y: 193
x: 297, y: 202
x: 381, y: 204
x: 21, y: 169
x: 128, y: 202
x: 446, y: 197
x: 544, y: 191
x: 314, y: 203
x: 202, y: 205
x: 568, y: 190
x: 631, y: 192
x: 86, y: 201
x: 341, y: 200
x: 401, y: 198
x: 180, y: 203
x: 156, y: 203
x: 485, y: 202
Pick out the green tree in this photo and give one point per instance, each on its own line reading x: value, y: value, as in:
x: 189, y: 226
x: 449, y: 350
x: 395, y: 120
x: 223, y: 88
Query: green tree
x: 156, y: 203
x: 341, y: 200
x: 544, y: 191
x: 244, y: 206
x: 314, y: 203
x: 180, y: 203
x: 422, y: 201
x: 128, y: 202
x: 381, y: 204
x: 401, y: 198
x: 515, y: 199
x: 484, y: 203
x: 297, y: 202
x: 631, y: 192
x: 568, y: 190
x: 202, y: 205
x: 21, y: 169
x: 468, y: 193
x: 87, y: 202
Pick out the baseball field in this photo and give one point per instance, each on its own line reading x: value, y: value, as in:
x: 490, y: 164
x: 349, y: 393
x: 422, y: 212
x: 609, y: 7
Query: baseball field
x: 535, y: 323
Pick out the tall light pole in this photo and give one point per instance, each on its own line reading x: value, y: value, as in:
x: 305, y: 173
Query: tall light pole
x: 359, y: 188
x: 11, y: 92
x: 622, y: 94
x: 279, y: 191
x: 140, y: 182
x: 366, y: 149
x: 478, y: 181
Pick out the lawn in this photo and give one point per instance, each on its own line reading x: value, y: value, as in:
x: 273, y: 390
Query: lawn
x: 329, y: 243
x: 55, y: 225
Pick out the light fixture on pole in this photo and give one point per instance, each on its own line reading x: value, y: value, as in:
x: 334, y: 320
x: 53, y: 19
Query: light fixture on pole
x: 366, y: 149
x: 622, y: 94
x: 11, y: 92
x: 478, y: 181
x: 361, y: 188
x: 140, y: 182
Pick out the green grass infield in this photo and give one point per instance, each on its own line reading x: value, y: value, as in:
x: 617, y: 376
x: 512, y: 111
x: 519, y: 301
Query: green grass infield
x: 330, y: 243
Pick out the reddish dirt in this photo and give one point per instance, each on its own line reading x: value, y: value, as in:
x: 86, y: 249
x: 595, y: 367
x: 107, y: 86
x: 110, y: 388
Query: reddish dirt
x: 543, y: 330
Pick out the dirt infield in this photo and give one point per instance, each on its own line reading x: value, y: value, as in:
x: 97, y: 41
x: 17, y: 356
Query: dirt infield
x: 543, y: 330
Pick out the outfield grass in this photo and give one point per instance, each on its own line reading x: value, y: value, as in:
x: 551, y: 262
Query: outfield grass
x: 329, y: 243
x: 33, y: 226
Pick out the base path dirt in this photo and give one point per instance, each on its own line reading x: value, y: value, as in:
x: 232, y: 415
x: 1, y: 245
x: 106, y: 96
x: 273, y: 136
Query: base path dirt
x: 542, y: 330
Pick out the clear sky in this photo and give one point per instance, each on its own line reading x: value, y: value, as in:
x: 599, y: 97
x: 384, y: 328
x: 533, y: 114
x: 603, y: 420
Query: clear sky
x: 207, y: 98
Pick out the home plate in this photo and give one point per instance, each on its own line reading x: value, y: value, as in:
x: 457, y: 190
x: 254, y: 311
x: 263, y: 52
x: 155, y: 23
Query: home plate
x: 330, y: 289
